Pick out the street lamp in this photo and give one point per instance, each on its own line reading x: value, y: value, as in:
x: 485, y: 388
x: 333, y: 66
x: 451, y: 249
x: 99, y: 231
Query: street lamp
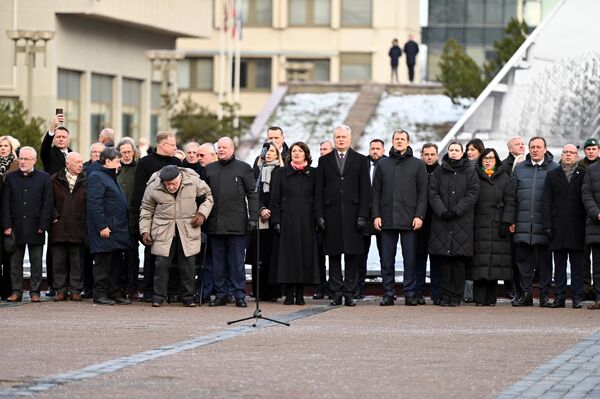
x: 165, y: 62
x: 26, y: 42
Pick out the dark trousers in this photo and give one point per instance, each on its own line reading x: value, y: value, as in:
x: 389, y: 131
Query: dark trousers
x: 343, y: 284
x: 560, y: 272
x: 452, y: 278
x: 5, y: 286
x: 130, y: 269
x: 411, y: 71
x: 16, y: 268
x: 389, y: 245
x: 228, y: 264
x: 107, y: 269
x: 49, y: 268
x: 149, y: 263
x: 187, y: 267
x: 362, y: 263
x: 65, y: 255
x: 596, y: 269
x: 515, y: 283
x: 88, y: 272
x: 485, y: 292
x: 204, y: 271
x: 394, y: 73
x: 434, y: 274
x: 323, y: 286
x: 530, y: 257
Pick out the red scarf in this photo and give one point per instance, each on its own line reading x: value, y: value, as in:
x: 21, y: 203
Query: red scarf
x: 299, y: 166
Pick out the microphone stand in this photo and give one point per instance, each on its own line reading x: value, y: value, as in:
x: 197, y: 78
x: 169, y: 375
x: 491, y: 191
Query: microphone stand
x: 257, y: 312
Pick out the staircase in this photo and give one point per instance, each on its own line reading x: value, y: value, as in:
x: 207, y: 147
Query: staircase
x: 363, y: 108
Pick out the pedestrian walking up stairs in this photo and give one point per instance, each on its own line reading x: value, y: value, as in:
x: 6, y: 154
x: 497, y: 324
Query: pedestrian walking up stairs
x: 364, y: 107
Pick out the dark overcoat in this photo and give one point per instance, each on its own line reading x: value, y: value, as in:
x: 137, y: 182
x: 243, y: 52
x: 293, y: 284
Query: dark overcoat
x: 340, y: 198
x: 564, y: 213
x: 52, y: 158
x: 495, y: 205
x: 106, y: 207
x: 425, y: 230
x: 27, y: 205
x: 292, y: 206
x: 590, y: 193
x: 454, y: 186
x: 69, y: 222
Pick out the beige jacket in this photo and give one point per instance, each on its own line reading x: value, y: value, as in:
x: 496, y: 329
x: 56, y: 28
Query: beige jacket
x: 161, y: 212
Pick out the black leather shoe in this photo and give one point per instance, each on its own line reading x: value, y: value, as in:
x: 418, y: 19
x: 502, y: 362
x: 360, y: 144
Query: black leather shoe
x: 289, y: 300
x: 157, y: 304
x: 558, y: 303
x: 219, y: 302
x: 349, y: 300
x: 410, y: 301
x: 524, y: 300
x: 300, y: 301
x: 577, y: 303
x: 122, y: 301
x: 544, y: 300
x: 337, y: 300
x: 436, y: 300
x: 104, y: 301
x: 318, y: 295
x: 421, y: 300
x: 241, y: 303
x: 189, y: 304
x: 387, y: 301
x: 51, y: 292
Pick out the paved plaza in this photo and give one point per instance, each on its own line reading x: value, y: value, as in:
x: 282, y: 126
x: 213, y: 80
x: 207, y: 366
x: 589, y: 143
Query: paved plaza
x: 62, y: 350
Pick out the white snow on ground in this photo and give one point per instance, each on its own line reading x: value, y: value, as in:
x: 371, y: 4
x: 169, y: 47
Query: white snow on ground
x: 309, y: 117
x: 417, y: 114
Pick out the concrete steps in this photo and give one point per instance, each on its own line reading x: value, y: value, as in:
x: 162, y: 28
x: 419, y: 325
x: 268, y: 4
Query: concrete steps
x: 364, y: 107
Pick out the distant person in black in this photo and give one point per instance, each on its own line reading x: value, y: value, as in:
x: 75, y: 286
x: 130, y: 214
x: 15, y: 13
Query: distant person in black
x: 411, y: 49
x: 395, y: 53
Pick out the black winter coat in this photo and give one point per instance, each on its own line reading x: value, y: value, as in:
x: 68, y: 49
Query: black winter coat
x: 292, y: 206
x: 106, y: 207
x: 507, y: 164
x: 126, y: 179
x: 27, y: 203
x: 399, y: 191
x: 340, y: 198
x: 564, y: 214
x: 590, y: 193
x: 425, y: 230
x: 395, y: 53
x: 411, y: 49
x: 52, y: 158
x: 528, y: 182
x: 69, y: 214
x: 495, y: 205
x: 232, y: 183
x: 454, y: 187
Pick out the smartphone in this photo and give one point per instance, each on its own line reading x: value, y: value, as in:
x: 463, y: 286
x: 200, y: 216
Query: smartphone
x: 59, y: 111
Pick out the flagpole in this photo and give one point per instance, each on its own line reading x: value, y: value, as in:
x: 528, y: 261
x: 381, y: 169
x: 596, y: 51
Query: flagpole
x: 222, y: 64
x: 238, y: 32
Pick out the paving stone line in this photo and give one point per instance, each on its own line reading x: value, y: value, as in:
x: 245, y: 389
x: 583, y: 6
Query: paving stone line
x: 111, y: 366
x: 573, y: 373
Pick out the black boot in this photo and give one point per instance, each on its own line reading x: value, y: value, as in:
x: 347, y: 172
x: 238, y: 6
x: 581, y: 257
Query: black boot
x: 524, y: 300
x: 299, y: 294
x: 545, y: 300
x: 559, y: 302
x: 289, y: 295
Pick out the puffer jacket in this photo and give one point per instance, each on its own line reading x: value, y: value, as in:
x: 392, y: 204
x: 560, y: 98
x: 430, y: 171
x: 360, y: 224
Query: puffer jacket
x: 590, y: 193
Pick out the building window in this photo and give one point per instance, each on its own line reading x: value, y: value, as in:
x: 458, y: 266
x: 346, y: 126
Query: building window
x: 309, y: 12
x: 257, y: 12
x: 255, y: 74
x: 69, y: 89
x: 318, y: 69
x: 155, y: 104
x: 356, y: 13
x: 101, y: 107
x: 195, y: 74
x: 132, y: 93
x: 355, y: 66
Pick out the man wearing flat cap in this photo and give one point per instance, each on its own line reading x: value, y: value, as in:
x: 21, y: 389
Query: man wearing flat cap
x: 170, y: 221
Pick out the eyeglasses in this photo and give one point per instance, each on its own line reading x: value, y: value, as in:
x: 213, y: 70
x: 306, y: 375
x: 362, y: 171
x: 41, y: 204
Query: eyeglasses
x: 570, y: 152
x: 492, y: 158
x: 25, y: 159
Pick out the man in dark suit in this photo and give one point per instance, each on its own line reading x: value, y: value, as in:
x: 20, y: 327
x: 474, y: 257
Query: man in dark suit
x: 55, y: 146
x: 341, y: 211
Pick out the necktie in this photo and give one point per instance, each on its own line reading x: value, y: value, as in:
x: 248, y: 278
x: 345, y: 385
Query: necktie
x: 342, y: 156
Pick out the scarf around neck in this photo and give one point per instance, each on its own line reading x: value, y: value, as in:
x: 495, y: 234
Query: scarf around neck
x: 299, y: 166
x: 5, y: 163
x: 265, y: 174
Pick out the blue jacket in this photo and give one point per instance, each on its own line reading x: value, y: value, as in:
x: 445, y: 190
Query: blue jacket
x: 528, y: 183
x: 106, y: 207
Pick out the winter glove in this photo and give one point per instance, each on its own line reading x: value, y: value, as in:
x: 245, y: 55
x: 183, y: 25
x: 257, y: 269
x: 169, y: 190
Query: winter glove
x: 277, y: 228
x: 449, y: 215
x: 146, y: 239
x: 320, y: 222
x: 252, y: 225
x: 361, y: 223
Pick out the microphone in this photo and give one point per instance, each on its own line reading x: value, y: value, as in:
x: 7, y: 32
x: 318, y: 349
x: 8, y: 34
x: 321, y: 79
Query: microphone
x: 265, y: 149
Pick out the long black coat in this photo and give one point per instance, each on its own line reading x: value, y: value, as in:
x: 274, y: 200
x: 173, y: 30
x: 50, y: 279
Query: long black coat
x: 27, y: 203
x: 69, y: 214
x: 399, y: 191
x: 495, y: 205
x: 52, y: 158
x: 340, y: 198
x: 454, y: 186
x: 528, y: 182
x: 425, y: 230
x: 292, y: 206
x: 232, y: 184
x: 107, y: 207
x: 590, y: 193
x: 564, y: 214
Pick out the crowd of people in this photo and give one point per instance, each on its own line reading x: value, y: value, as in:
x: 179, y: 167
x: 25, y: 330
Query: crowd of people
x: 203, y: 214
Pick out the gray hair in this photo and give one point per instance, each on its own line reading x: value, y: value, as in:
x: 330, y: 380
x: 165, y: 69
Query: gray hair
x: 343, y: 127
x: 126, y: 140
x: 97, y: 144
x: 190, y: 144
x: 30, y: 149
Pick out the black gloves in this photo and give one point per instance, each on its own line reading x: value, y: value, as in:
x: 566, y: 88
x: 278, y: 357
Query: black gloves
x: 252, y: 225
x: 277, y: 228
x: 503, y: 230
x: 320, y: 222
x: 361, y: 223
x: 449, y: 215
